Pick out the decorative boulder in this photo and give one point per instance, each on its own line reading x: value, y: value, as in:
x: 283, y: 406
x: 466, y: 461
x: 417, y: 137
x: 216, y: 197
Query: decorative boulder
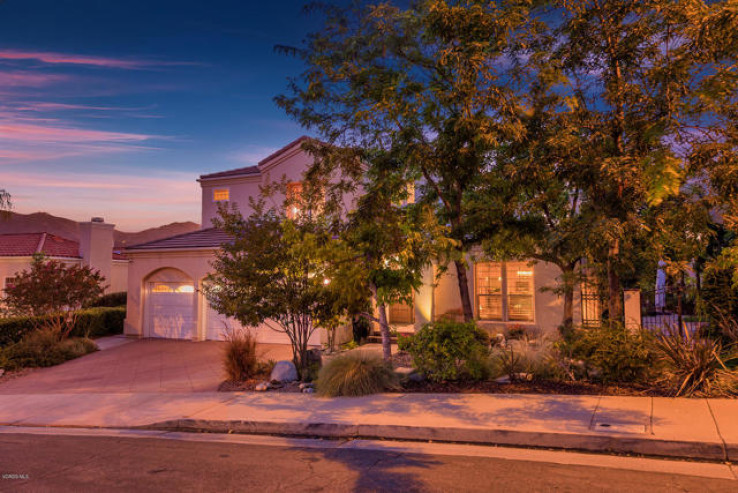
x: 284, y: 371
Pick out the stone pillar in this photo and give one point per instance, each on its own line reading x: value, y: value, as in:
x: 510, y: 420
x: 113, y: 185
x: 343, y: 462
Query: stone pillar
x: 96, y: 246
x: 632, y: 305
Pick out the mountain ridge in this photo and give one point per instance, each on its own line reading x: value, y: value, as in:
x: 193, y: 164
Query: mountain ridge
x: 43, y: 222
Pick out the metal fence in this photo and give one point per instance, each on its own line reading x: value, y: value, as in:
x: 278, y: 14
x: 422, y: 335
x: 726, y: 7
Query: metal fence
x: 669, y: 309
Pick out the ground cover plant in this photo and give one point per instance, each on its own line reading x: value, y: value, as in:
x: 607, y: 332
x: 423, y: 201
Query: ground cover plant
x: 44, y: 347
x: 356, y: 373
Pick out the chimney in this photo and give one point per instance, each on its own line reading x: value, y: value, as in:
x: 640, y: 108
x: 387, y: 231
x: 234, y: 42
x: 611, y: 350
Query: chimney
x: 96, y: 246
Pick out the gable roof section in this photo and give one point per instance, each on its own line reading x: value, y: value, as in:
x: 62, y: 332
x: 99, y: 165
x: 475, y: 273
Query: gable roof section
x: 28, y: 244
x: 204, y: 238
x: 276, y: 154
x: 254, y: 170
x: 248, y: 170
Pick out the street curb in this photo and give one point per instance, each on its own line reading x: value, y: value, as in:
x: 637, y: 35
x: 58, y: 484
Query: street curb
x: 712, y: 451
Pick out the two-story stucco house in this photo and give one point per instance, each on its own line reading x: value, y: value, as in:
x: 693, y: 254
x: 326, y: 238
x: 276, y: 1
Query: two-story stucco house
x: 165, y: 277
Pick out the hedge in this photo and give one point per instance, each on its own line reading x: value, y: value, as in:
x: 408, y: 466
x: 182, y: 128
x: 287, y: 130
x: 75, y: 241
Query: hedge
x: 111, y: 299
x: 91, y: 322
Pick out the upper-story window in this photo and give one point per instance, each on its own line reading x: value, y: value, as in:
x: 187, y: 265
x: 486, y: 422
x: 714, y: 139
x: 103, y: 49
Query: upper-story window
x: 504, y: 291
x: 221, y: 194
x: 294, y: 199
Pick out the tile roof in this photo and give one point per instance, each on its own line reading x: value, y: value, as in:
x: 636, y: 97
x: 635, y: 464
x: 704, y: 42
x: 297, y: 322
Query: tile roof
x: 254, y: 170
x: 284, y: 149
x: 248, y: 170
x: 27, y: 244
x: 204, y: 238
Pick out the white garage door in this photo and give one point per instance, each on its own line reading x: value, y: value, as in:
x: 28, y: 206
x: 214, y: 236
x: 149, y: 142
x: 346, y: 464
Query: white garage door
x: 218, y: 325
x: 171, y: 310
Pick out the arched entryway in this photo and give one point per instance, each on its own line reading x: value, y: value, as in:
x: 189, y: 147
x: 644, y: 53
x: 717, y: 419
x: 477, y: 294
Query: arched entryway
x: 171, y: 305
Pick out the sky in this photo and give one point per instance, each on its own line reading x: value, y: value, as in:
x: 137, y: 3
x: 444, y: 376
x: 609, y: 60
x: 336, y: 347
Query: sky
x: 114, y: 108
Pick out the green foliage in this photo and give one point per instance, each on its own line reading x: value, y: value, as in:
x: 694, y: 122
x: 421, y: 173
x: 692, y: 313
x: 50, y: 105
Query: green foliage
x: 52, y: 287
x: 240, y: 360
x: 447, y: 350
x: 354, y: 374
x: 42, y: 348
x: 111, y: 299
x: 720, y: 301
x: 612, y: 353
x: 538, y: 359
x: 275, y: 272
x: 697, y: 367
x: 92, y: 322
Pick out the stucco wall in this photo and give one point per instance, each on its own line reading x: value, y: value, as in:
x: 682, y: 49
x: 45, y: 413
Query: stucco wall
x: 195, y: 265
x: 118, y: 276
x: 549, y: 306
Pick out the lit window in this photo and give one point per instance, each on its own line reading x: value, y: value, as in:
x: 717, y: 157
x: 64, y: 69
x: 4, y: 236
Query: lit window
x: 294, y: 196
x: 505, y: 291
x: 221, y: 194
x: 489, y: 290
x: 161, y: 288
x: 186, y: 288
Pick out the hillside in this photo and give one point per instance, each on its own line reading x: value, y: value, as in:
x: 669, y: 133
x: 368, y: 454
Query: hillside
x: 66, y: 228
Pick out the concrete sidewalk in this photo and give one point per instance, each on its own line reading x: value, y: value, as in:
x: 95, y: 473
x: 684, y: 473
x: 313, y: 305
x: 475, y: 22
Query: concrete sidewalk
x: 688, y: 428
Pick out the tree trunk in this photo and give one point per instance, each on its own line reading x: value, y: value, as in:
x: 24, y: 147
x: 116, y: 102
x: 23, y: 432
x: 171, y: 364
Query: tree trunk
x: 567, y: 323
x: 464, y: 290
x: 614, y: 292
x: 384, y: 328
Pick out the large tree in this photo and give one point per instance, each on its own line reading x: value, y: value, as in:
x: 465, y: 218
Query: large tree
x: 427, y: 83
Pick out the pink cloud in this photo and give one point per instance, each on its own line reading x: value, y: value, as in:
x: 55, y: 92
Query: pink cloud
x: 92, y: 61
x: 19, y: 132
x: 19, y: 78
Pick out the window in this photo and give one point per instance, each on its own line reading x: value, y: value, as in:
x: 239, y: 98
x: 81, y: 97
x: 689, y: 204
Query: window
x: 221, y: 194
x: 294, y: 196
x: 489, y: 290
x: 402, y: 313
x: 504, y: 291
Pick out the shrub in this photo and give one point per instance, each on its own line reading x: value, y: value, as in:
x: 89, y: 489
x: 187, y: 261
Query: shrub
x: 111, y: 299
x: 447, y: 350
x: 539, y: 359
x: 92, y: 322
x: 43, y: 347
x: 616, y: 354
x: 696, y: 366
x: 239, y: 358
x: 354, y: 374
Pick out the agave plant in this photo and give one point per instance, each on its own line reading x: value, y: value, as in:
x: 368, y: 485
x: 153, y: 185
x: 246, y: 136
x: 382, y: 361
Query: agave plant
x: 697, y: 366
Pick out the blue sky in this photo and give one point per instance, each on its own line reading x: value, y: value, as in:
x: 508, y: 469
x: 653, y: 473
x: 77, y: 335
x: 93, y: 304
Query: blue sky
x: 113, y: 108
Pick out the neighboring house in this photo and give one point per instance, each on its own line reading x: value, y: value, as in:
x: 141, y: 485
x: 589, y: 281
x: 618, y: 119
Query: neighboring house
x: 95, y: 249
x: 165, y: 277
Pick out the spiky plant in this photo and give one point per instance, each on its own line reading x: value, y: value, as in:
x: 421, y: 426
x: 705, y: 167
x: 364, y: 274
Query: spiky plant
x: 240, y: 360
x: 355, y: 373
x: 696, y: 366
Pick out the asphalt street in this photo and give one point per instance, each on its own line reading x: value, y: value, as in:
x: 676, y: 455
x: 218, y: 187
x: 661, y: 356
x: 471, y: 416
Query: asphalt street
x: 51, y: 462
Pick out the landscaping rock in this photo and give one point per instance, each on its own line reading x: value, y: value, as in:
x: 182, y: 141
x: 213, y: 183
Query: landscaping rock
x: 262, y: 387
x: 284, y: 371
x: 306, y: 385
x: 505, y: 379
x: 416, y: 377
x: 408, y: 373
x: 308, y: 390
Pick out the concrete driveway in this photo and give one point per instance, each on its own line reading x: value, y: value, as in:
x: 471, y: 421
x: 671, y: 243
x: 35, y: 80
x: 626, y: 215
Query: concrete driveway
x: 145, y: 365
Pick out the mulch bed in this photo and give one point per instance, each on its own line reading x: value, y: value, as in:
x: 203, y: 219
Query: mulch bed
x: 543, y: 387
x: 249, y: 385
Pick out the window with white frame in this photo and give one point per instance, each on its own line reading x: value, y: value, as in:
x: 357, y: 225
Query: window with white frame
x: 504, y: 291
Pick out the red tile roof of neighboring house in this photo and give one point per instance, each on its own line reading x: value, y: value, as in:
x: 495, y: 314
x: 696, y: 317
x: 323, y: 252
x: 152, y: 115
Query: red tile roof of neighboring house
x: 28, y: 244
x: 204, y: 238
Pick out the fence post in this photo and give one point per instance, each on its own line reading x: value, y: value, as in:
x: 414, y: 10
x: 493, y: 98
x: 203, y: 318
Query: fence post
x: 632, y: 305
